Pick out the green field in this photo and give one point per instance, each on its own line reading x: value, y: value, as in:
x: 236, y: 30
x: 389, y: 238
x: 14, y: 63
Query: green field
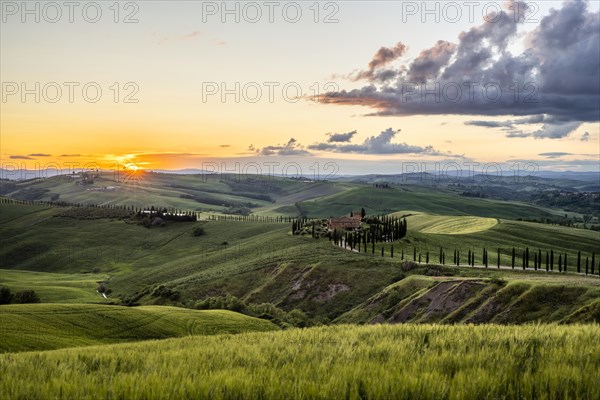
x: 354, y: 362
x: 56, y: 287
x: 423, y: 199
x: 28, y: 327
x: 444, y: 224
x: 262, y: 263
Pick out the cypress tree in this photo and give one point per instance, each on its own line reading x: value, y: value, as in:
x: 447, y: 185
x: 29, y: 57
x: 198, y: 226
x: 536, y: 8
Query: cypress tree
x: 527, y: 257
x: 594, y: 263
x: 551, y: 260
x: 579, y: 262
x: 587, y: 262
x: 427, y: 258
x: 458, y: 258
x: 498, y: 257
x: 392, y: 251
x: 469, y: 257
x: 513, y: 258
x: 441, y: 256
x: 414, y: 254
x: 560, y: 263
x: 382, y: 250
x: 565, y: 264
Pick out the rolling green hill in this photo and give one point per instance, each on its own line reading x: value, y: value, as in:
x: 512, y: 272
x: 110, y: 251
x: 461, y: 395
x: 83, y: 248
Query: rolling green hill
x: 354, y: 362
x: 417, y: 198
x: 427, y: 299
x: 216, y: 193
x: 27, y: 327
x: 444, y: 224
x: 256, y: 262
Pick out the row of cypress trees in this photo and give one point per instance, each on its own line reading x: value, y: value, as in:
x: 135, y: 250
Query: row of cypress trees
x: 539, y: 261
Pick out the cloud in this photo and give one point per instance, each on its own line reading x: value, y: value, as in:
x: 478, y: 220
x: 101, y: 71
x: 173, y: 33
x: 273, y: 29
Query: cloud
x: 17, y: 157
x: 429, y: 63
x: 383, y: 57
x: 585, y: 137
x: 556, y: 77
x: 341, y: 137
x: 380, y: 144
x: 291, y: 148
x: 552, y: 128
x: 224, y: 145
x: 40, y: 155
x: 554, y: 154
x: 70, y: 155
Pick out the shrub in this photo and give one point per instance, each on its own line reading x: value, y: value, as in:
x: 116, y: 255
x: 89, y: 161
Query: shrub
x: 5, y: 295
x: 198, y: 231
x: 26, y: 297
x: 408, y: 265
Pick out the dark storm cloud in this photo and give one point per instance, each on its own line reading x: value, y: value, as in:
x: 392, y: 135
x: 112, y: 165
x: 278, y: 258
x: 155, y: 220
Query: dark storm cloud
x: 556, y: 80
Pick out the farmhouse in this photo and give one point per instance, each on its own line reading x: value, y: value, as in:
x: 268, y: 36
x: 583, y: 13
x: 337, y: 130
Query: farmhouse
x: 344, y: 223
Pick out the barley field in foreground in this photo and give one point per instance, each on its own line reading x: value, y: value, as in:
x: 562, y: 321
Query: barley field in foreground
x: 345, y: 361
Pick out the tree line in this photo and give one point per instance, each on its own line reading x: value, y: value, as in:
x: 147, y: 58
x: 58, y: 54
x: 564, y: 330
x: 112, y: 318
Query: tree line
x: 523, y: 259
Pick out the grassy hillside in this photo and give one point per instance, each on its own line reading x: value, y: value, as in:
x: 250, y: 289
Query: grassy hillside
x: 444, y: 224
x: 215, y: 193
x: 439, y: 201
x: 400, y: 361
x: 256, y: 262
x: 428, y: 232
x: 27, y: 327
x: 426, y: 299
x: 56, y: 287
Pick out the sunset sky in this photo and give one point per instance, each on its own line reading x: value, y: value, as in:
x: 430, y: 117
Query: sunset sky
x: 368, y: 68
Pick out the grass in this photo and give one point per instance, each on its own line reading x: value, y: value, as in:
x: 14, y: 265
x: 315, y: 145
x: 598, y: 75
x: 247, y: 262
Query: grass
x: 444, y: 224
x: 465, y: 299
x: 423, y: 199
x: 429, y: 233
x: 354, y: 362
x: 56, y: 287
x: 28, y: 327
x: 256, y: 262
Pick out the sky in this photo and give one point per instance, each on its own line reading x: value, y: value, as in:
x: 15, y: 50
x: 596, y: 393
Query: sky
x: 347, y: 87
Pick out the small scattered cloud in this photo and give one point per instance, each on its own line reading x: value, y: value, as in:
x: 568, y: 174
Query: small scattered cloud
x: 17, y: 157
x: 383, y: 57
x: 554, y: 154
x: 40, y: 155
x: 552, y: 128
x: 70, y: 155
x: 381, y: 144
x: 341, y: 137
x: 291, y: 148
x: 224, y: 145
x: 585, y: 137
